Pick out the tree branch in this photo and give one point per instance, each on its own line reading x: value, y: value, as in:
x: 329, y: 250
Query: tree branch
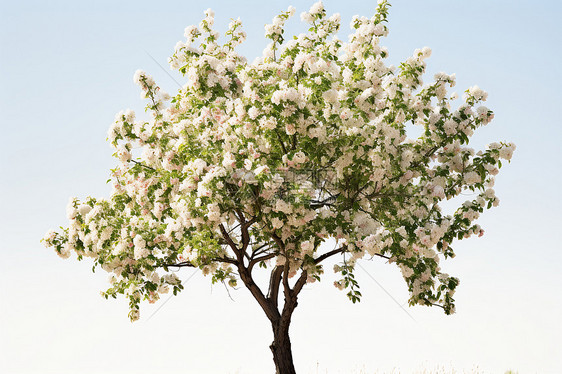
x: 143, y: 165
x: 291, y: 301
x: 315, y: 204
x: 279, y: 242
x: 267, y: 306
x: 231, y: 243
x: 179, y: 265
x: 227, y: 260
x: 258, y: 251
x: 246, y: 276
x: 329, y: 254
x: 286, y: 286
x: 259, y: 259
x: 300, y: 283
x: 274, y: 283
x: 383, y: 256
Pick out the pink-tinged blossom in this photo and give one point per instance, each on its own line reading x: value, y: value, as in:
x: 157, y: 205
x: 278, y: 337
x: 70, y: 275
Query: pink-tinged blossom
x: 297, y: 162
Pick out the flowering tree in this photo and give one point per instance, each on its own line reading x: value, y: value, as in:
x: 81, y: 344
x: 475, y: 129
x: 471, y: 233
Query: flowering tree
x: 255, y: 165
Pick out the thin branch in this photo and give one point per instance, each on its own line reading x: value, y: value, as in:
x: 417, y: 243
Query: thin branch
x: 315, y: 204
x: 227, y: 291
x: 227, y: 260
x: 231, y: 243
x: 383, y: 256
x: 260, y: 259
x: 233, y: 228
x: 329, y: 254
x: 179, y: 265
x: 143, y: 165
x: 258, y: 251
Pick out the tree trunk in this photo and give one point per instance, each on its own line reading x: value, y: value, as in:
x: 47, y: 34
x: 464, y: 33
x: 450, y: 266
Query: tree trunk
x: 281, y: 348
x: 280, y: 321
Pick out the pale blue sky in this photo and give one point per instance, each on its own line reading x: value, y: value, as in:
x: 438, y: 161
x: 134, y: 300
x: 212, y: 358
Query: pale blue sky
x: 66, y: 68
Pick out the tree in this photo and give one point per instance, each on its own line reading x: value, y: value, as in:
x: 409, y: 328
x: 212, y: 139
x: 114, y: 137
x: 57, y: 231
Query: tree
x: 254, y: 165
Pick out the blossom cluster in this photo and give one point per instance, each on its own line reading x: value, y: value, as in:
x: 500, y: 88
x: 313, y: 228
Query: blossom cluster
x: 223, y: 152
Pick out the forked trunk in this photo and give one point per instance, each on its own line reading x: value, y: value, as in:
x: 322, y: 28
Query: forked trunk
x: 280, y: 320
x: 281, y: 348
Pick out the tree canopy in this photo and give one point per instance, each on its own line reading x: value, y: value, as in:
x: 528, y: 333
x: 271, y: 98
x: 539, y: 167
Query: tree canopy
x: 256, y: 165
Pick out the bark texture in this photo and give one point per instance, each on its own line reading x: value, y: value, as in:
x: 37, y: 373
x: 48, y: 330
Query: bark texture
x: 278, y: 284
x: 281, y: 349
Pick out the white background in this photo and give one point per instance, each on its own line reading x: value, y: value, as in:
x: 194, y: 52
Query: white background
x: 66, y: 69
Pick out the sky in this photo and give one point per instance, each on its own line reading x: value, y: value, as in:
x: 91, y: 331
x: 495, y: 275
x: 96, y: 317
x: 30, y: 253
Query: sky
x: 66, y: 68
